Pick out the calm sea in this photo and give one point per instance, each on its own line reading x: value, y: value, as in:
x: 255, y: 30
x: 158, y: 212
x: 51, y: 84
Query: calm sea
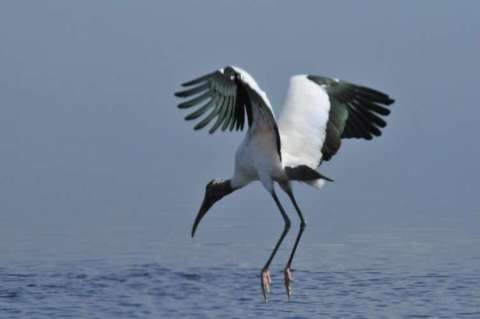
x: 136, y: 264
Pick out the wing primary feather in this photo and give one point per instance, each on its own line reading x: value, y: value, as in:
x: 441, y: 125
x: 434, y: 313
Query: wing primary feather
x: 373, y: 106
x: 376, y: 119
x: 375, y: 131
x: 199, y: 80
x: 209, y: 118
x: 224, y: 97
x: 375, y: 95
x: 369, y: 120
x: 205, y: 121
x: 356, y: 125
x: 195, y: 100
x: 239, y: 118
x: 372, y: 117
x: 363, y: 118
x: 221, y: 115
x: 244, y: 101
x: 200, y: 111
x: 192, y: 91
x: 233, y: 117
x: 229, y: 114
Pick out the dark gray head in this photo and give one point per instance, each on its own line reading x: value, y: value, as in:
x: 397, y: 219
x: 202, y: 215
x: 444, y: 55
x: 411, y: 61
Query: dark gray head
x: 214, y: 191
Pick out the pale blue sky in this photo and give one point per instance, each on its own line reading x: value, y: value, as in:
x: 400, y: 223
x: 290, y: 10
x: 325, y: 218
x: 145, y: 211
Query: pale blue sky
x: 89, y: 126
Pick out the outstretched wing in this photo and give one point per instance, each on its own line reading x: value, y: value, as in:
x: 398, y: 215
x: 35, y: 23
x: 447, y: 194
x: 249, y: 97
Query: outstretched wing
x: 225, y: 96
x: 319, y: 112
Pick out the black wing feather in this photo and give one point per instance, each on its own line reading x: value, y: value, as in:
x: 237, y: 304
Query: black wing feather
x: 217, y: 107
x: 221, y: 115
x: 192, y: 91
x: 225, y: 99
x: 201, y: 79
x: 355, y: 112
x: 195, y: 100
x: 230, y: 99
x: 229, y: 115
x: 200, y: 111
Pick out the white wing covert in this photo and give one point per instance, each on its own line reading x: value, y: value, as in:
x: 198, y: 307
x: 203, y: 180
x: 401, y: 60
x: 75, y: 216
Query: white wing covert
x: 302, y: 123
x: 319, y: 112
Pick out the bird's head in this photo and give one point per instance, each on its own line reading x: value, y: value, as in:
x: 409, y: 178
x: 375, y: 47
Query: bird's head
x: 214, y: 191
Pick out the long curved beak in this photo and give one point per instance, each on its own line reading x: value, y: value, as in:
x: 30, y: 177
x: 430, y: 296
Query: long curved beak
x: 206, y: 205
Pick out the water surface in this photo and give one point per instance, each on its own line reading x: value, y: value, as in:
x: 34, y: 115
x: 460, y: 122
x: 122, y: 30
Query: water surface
x: 135, y: 272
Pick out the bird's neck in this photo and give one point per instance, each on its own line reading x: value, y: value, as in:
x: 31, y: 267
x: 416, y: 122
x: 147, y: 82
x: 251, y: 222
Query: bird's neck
x: 227, y: 187
x: 234, y: 184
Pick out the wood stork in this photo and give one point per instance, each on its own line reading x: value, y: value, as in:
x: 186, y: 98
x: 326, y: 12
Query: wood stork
x: 318, y: 112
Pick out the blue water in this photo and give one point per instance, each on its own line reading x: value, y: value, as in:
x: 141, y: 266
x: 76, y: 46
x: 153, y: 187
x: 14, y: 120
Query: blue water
x: 141, y: 267
x: 151, y: 290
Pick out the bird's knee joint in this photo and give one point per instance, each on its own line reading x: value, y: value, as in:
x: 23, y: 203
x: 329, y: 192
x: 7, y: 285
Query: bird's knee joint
x: 303, y: 225
x: 287, y: 224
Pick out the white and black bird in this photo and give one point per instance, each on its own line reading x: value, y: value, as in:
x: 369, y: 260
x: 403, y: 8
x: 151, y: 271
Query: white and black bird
x: 317, y: 114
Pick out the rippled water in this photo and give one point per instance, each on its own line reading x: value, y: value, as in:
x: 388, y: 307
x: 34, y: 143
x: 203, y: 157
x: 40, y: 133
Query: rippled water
x: 150, y: 290
x: 401, y: 273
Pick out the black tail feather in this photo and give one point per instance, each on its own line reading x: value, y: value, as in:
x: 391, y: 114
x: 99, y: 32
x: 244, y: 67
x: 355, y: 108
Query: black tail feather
x: 303, y: 173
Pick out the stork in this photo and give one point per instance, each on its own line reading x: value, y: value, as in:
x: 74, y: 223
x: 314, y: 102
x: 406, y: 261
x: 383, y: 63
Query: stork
x: 318, y: 113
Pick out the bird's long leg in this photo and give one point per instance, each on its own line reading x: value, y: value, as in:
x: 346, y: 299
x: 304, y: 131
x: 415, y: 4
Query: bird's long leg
x: 265, y: 275
x: 287, y: 272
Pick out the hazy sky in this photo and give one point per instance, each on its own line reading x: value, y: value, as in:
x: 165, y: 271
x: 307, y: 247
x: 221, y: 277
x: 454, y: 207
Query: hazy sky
x: 89, y: 125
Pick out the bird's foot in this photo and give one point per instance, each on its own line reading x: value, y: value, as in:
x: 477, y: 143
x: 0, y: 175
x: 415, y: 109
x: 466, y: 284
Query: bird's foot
x: 287, y: 275
x: 266, y: 282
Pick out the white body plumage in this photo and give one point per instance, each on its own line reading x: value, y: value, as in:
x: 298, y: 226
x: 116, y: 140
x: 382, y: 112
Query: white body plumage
x: 302, y: 132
